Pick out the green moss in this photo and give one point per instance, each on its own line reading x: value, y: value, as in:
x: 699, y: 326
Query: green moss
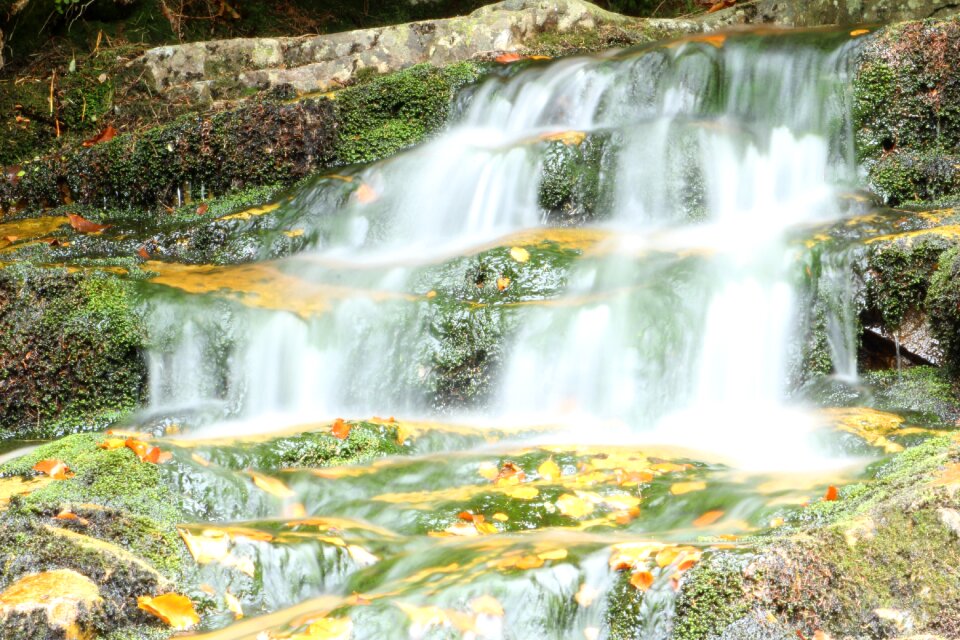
x: 395, y: 111
x: 926, y: 391
x: 712, y: 597
x: 943, y: 306
x: 69, y: 349
x: 899, y: 274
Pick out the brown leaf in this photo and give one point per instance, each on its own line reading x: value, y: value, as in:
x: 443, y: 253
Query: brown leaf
x: 56, y: 469
x: 143, y: 253
x: 340, y: 429
x: 69, y: 515
x: 83, y: 225
x: 146, y: 453
x: 108, y: 134
x: 203, y: 208
x: 174, y: 609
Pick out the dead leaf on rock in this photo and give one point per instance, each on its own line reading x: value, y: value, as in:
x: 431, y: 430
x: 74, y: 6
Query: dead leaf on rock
x: 107, y: 134
x: 174, y: 609
x: 56, y: 469
x: 82, y: 225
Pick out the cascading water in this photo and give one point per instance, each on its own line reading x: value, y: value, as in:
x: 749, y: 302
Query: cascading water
x: 704, y: 154
x: 670, y: 319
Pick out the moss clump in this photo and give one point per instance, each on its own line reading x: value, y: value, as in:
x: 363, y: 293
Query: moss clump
x: 927, y: 391
x: 943, y: 306
x: 570, y: 184
x: 899, y: 274
x: 69, y: 349
x: 907, y: 118
x: 712, y: 597
x: 395, y: 111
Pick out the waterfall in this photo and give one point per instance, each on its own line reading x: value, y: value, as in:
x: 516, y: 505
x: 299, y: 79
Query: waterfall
x: 704, y: 154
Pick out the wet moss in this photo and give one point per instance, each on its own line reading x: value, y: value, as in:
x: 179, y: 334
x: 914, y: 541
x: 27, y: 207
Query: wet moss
x: 943, y: 306
x: 69, y: 349
x: 927, y: 391
x: 389, y: 113
x: 899, y: 274
x: 712, y: 598
x: 907, y: 118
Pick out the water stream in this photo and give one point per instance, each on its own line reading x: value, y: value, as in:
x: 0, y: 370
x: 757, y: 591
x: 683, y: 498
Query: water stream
x: 673, y: 322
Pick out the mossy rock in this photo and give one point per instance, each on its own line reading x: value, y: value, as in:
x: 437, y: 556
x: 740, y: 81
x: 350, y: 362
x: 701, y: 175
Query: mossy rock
x: 70, y: 349
x: 876, y: 557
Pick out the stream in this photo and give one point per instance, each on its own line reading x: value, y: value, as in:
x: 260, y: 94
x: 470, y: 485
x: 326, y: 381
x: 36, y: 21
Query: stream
x: 633, y: 403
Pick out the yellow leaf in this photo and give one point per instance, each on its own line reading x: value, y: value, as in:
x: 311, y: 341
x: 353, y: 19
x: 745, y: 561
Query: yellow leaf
x: 569, y: 138
x: 519, y: 254
x: 680, y: 488
x: 485, y: 528
x: 859, y: 32
x: 574, y: 507
x: 502, y: 283
x: 549, y: 470
x: 361, y: 556
x: 56, y: 469
x: 500, y: 517
x: 629, y: 555
x: 488, y: 471
x: 327, y: 629
x: 271, y: 485
x: 113, y: 443
x: 522, y: 493
x: 431, y: 294
x: 529, y: 562
x: 553, y: 554
x: 174, y: 609
x: 586, y: 595
x: 233, y: 604
x: 487, y: 605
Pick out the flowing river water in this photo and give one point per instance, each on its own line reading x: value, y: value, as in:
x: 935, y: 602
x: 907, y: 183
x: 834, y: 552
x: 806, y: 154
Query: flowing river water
x: 635, y: 402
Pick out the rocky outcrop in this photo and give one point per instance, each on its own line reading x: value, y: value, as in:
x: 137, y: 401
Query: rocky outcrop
x: 814, y: 13
x: 319, y: 63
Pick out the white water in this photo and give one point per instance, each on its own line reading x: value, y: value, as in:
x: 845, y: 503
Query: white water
x: 710, y: 155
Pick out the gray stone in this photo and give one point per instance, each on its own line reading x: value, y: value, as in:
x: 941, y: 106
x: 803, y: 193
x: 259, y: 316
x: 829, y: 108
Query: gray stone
x: 812, y: 13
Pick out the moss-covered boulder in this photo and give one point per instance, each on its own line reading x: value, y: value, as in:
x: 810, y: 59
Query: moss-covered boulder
x: 70, y: 349
x: 877, y: 562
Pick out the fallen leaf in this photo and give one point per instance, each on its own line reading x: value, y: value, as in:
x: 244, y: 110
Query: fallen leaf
x: 529, y: 562
x: 519, y: 254
x: 143, y: 253
x: 832, y: 494
x: 573, y: 506
x: 509, y: 474
x: 502, y: 283
x: 365, y: 194
x: 82, y: 225
x: 174, y: 609
x: 327, y: 629
x: 487, y: 605
x: 680, y: 488
x: 553, y: 554
x: 147, y: 453
x: 340, y: 429
x: 723, y: 4
x: 113, y: 443
x: 707, y: 519
x: 271, y: 485
x: 56, y: 469
x: 106, y: 135
x: 568, y: 138
x: 69, y: 515
x: 548, y: 470
x: 522, y: 493
x: 431, y: 294
x: 233, y: 604
x: 507, y: 58
x: 203, y: 208
x: 500, y: 517
x: 586, y: 595
x: 488, y: 471
x: 859, y: 32
x: 641, y: 580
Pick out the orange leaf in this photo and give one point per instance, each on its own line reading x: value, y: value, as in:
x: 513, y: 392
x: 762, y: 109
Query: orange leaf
x: 723, y: 4
x: 831, y: 494
x: 83, y: 225
x: 502, y: 283
x: 56, y: 469
x: 203, y: 208
x: 113, y: 443
x: 642, y: 580
x: 365, y: 194
x: 108, y: 134
x: 174, y: 609
x: 708, y: 518
x: 271, y: 485
x: 509, y: 473
x: 69, y: 515
x: 143, y: 253
x: 507, y: 58
x: 340, y: 429
x: 859, y: 32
